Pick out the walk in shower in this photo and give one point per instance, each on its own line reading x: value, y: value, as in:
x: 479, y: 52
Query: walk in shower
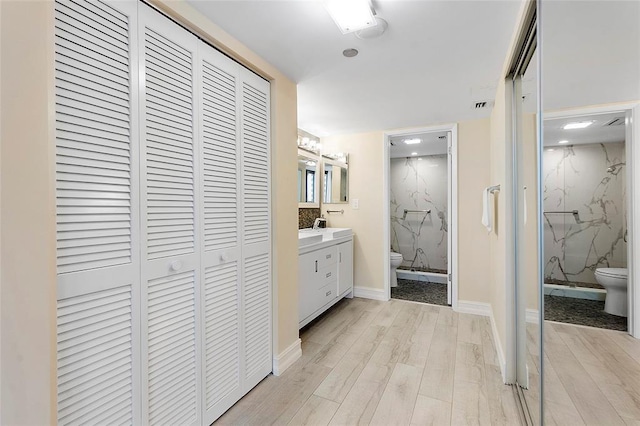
x: 419, y: 188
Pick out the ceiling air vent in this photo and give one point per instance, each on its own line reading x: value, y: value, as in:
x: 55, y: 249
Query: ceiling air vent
x: 483, y: 104
x: 618, y: 121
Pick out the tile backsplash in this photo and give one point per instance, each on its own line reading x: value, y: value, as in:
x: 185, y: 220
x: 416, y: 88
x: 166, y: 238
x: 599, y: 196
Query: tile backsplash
x: 307, y: 216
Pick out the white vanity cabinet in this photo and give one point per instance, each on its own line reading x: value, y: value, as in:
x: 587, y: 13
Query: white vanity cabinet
x: 325, y: 275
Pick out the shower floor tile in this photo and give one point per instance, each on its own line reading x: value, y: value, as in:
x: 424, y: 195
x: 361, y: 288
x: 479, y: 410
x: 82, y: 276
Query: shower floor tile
x: 420, y: 291
x: 581, y: 312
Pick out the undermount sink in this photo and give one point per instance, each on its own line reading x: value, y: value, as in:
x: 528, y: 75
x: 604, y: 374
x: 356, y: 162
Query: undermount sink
x: 309, y: 236
x: 306, y: 238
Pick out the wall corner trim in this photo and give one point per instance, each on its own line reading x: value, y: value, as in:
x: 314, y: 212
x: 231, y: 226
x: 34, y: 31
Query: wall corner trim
x: 370, y: 293
x: 287, y: 357
x: 484, y: 309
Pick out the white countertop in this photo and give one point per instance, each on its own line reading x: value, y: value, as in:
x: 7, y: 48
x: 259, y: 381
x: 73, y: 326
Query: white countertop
x: 313, y: 239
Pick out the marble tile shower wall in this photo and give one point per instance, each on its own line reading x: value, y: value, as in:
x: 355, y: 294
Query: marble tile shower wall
x: 591, y: 179
x: 420, y: 184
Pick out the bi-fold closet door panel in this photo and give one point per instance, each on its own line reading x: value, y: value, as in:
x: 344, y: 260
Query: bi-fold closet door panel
x: 236, y: 259
x: 171, y: 276
x: 163, y: 207
x: 98, y: 240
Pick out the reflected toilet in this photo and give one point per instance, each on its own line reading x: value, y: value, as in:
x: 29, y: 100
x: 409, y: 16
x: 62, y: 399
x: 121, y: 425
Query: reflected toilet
x: 614, y: 281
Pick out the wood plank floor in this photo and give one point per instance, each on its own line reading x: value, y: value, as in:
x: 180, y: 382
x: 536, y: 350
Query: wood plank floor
x: 592, y: 376
x: 386, y: 363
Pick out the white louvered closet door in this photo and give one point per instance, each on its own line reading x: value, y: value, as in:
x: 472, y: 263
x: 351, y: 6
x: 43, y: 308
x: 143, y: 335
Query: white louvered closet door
x: 98, y: 243
x: 171, y: 246
x: 256, y: 226
x: 221, y: 213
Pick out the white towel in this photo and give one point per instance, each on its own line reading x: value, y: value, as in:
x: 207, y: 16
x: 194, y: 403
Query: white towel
x: 487, y: 210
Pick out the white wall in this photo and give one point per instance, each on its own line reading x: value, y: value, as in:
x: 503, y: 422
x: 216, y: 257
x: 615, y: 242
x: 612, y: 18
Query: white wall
x: 28, y: 216
x: 365, y: 184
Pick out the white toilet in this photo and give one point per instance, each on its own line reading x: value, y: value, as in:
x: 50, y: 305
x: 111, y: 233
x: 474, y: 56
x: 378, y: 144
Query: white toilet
x: 614, y: 281
x: 396, y: 260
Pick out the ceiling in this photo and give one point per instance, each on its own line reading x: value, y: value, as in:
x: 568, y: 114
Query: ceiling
x: 436, y: 60
x: 433, y: 143
x: 598, y: 132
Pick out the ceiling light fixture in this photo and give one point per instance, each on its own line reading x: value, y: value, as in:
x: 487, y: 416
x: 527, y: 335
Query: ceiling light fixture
x: 414, y: 153
x: 563, y: 142
x: 412, y: 141
x: 577, y: 125
x: 351, y: 15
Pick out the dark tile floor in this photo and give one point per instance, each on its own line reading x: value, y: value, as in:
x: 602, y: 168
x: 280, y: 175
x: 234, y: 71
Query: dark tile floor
x: 420, y: 291
x: 581, y: 312
x: 561, y: 309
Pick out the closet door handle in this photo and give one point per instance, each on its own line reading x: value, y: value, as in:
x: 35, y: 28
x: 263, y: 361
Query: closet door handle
x: 316, y: 266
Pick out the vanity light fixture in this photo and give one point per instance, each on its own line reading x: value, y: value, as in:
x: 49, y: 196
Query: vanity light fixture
x: 577, y: 125
x: 351, y: 15
x: 412, y: 141
x: 563, y: 142
x: 414, y: 153
x: 550, y: 149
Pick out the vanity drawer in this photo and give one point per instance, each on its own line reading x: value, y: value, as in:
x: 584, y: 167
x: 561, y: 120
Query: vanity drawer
x: 327, y: 275
x: 327, y: 293
x: 327, y: 257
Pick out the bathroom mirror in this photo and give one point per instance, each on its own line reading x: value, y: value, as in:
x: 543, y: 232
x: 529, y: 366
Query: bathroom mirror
x: 308, y: 183
x: 335, y: 184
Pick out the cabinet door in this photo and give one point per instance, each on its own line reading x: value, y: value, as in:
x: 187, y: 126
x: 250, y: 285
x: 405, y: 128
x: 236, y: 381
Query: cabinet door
x: 345, y: 267
x: 98, y: 262
x: 170, y: 243
x: 307, y: 284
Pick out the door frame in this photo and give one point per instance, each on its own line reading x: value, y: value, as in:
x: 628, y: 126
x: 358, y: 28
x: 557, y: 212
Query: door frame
x: 632, y: 155
x: 452, y: 214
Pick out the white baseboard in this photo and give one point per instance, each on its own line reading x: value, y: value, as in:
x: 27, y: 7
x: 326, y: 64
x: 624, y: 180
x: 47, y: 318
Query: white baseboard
x: 484, y: 309
x: 370, y: 293
x: 285, y: 359
x: 532, y: 316
x: 475, y: 308
x: 496, y: 342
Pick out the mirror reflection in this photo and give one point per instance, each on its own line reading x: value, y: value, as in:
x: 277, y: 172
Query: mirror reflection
x: 590, y: 94
x: 308, y: 184
x: 335, y: 179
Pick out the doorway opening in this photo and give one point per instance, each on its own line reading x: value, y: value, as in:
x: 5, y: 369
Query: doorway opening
x: 421, y: 232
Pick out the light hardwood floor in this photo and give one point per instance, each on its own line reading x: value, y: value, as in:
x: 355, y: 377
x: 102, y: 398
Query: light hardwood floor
x: 386, y: 363
x: 592, y: 376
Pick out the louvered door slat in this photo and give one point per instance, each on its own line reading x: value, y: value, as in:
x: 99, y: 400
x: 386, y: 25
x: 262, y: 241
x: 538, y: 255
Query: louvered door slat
x: 94, y: 355
x: 257, y: 314
x: 219, y: 156
x: 222, y: 332
x: 83, y: 126
x: 171, y: 332
x: 255, y: 164
x: 169, y: 154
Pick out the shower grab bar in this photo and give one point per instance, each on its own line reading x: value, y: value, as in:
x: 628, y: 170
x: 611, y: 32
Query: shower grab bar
x: 404, y: 216
x: 336, y: 211
x: 575, y: 214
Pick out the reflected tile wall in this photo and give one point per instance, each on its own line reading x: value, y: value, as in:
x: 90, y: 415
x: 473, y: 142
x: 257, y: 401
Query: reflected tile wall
x: 420, y: 184
x: 590, y: 179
